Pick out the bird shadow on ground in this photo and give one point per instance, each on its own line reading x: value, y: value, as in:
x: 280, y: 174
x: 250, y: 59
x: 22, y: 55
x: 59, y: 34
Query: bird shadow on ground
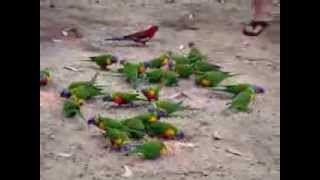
x: 125, y: 106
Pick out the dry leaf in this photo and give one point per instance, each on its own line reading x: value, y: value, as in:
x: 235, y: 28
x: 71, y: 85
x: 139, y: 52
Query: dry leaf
x: 127, y: 171
x: 234, y: 152
x: 66, y: 155
x: 64, y: 33
x: 71, y: 68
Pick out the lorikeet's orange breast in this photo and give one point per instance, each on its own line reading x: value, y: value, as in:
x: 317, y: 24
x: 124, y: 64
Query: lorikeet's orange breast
x: 118, y: 100
x: 116, y: 142
x: 206, y: 82
x: 163, y: 151
x: 102, y: 125
x: 165, y: 61
x: 169, y: 133
x: 152, y: 119
x: 142, y: 69
x: 151, y: 94
x: 109, y: 62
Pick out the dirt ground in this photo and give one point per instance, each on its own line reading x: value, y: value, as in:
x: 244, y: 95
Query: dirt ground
x: 68, y: 153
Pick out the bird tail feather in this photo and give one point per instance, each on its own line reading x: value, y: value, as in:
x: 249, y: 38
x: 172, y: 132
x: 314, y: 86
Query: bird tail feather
x: 116, y: 39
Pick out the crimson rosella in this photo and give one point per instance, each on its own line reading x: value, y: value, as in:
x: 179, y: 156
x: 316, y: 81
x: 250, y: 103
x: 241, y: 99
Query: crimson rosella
x: 139, y: 37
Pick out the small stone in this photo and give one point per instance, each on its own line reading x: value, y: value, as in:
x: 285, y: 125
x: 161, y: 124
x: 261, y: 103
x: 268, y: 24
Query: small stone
x: 216, y: 136
x: 52, y: 136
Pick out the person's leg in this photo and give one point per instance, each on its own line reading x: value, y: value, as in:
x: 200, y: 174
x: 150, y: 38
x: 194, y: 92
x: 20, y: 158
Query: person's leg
x: 260, y: 17
x: 261, y: 10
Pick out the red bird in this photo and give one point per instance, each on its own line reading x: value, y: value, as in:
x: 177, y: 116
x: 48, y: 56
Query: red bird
x: 139, y: 37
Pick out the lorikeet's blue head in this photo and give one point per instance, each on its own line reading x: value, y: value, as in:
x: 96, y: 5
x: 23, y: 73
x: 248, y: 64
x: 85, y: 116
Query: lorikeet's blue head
x: 65, y: 93
x: 146, y: 64
x: 180, y: 135
x: 161, y: 114
x: 151, y: 109
x: 91, y: 121
x: 126, y: 148
x: 114, y: 59
x: 107, y: 98
x: 259, y: 89
x: 171, y: 64
x: 144, y: 90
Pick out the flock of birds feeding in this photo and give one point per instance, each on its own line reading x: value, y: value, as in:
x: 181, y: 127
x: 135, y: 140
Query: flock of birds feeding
x: 147, y: 78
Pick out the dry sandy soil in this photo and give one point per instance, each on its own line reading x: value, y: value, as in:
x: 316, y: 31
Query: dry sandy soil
x: 255, y: 135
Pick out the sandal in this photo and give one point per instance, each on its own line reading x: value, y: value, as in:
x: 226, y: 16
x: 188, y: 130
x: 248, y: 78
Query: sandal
x: 257, y: 28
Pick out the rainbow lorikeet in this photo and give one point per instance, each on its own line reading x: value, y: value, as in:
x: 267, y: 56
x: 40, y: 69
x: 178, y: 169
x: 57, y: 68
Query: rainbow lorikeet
x: 151, y: 92
x: 241, y: 101
x: 148, y: 118
x: 136, y: 124
x: 170, y: 78
x: 201, y: 66
x: 117, y: 138
x: 83, y: 89
x: 45, y: 77
x: 158, y: 62
x: 164, y: 130
x: 134, y: 129
x: 150, y: 150
x: 155, y: 75
x: 180, y: 59
x: 195, y: 55
x: 133, y: 72
x: 122, y: 98
x: 139, y: 37
x: 103, y: 61
x: 165, y: 108
x: 183, y: 70
x: 71, y: 108
x: 238, y: 88
x: 104, y: 123
x: 212, y: 78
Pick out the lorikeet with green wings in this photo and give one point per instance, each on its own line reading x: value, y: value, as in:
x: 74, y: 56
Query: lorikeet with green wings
x: 122, y: 98
x: 134, y: 127
x: 155, y: 75
x: 170, y: 78
x: 104, y: 123
x: 136, y: 124
x: 195, y: 55
x: 158, y: 62
x: 148, y: 118
x: 212, y: 78
x: 201, y: 66
x: 133, y: 73
x: 164, y: 130
x: 83, y: 89
x: 238, y: 88
x: 103, y: 61
x: 117, y: 138
x: 45, y: 77
x: 165, y: 108
x: 150, y: 150
x: 241, y: 101
x: 180, y: 59
x: 71, y: 108
x: 151, y: 92
x: 183, y: 70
